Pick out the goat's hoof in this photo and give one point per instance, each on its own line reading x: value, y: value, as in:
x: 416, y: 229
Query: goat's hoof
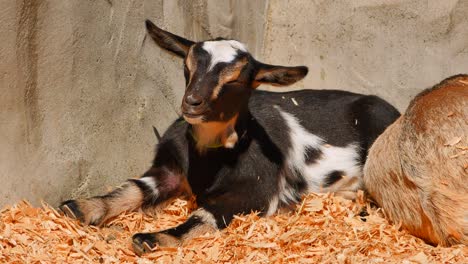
x: 143, y: 243
x: 363, y: 214
x: 71, y: 209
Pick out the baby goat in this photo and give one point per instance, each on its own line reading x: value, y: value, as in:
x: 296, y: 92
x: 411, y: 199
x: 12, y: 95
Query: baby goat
x: 240, y: 150
x: 417, y: 170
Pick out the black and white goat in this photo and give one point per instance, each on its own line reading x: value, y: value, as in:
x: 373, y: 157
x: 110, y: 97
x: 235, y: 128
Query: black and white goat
x: 241, y: 150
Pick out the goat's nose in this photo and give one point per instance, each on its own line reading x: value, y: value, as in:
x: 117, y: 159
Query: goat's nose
x: 193, y: 100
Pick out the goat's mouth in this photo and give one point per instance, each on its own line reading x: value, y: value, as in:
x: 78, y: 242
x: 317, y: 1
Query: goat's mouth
x: 194, y: 118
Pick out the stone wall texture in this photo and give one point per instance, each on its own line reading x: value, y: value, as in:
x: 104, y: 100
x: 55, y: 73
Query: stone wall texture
x: 81, y: 84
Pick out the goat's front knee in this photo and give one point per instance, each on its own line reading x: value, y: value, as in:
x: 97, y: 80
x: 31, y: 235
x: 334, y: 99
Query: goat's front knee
x: 158, y: 185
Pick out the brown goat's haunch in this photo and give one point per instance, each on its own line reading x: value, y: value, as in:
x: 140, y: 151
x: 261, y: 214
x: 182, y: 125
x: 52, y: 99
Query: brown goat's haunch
x: 417, y: 170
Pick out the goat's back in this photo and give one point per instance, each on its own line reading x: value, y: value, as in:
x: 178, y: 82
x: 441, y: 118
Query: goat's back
x: 338, y: 117
x: 417, y: 169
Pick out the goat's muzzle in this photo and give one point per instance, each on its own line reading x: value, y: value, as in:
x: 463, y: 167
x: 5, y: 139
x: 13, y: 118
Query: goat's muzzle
x: 194, y: 115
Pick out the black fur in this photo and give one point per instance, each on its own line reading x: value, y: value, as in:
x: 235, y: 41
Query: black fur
x: 75, y: 209
x: 149, y: 198
x: 243, y: 179
x: 249, y: 176
x: 184, y: 228
x: 333, y: 177
x: 312, y: 155
x: 143, y: 242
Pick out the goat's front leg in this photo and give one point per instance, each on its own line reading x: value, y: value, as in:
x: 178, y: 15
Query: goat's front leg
x: 156, y: 186
x: 200, y: 222
x: 216, y: 213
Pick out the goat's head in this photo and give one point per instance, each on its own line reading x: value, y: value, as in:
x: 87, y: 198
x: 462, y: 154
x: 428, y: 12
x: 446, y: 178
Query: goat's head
x: 220, y: 75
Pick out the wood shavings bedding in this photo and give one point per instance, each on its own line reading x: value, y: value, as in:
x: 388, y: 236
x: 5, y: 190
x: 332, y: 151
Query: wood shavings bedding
x: 322, y: 229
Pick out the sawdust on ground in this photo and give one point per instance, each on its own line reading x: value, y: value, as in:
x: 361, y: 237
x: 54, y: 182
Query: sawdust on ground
x: 322, y: 229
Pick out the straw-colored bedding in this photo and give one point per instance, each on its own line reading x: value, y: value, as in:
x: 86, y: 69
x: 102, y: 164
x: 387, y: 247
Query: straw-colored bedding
x: 323, y: 229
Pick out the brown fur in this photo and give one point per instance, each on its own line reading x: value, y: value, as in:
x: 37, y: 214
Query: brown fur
x: 411, y: 172
x: 228, y: 74
x: 98, y: 210
x: 214, y: 133
x: 198, y: 231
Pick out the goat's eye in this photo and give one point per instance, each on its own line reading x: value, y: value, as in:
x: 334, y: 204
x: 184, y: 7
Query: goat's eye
x: 233, y: 82
x: 186, y: 72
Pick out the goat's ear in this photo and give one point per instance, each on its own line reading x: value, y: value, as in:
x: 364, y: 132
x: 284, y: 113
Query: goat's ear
x: 279, y: 75
x: 169, y: 41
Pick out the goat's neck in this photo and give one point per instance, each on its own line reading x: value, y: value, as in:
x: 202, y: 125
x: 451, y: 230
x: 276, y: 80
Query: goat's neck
x: 219, y: 134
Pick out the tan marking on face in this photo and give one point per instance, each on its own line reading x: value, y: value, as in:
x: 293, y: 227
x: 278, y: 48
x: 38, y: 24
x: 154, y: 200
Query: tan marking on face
x: 228, y: 74
x: 209, y: 133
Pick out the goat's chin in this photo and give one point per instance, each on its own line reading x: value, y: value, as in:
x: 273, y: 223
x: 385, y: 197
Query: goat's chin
x: 194, y: 120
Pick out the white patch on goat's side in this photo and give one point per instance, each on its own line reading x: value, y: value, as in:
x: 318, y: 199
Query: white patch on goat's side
x: 222, y: 51
x: 300, y: 140
x: 151, y: 183
x: 332, y: 158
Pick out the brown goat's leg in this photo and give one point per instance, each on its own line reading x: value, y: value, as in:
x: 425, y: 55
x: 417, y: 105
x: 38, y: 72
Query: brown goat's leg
x: 157, y: 186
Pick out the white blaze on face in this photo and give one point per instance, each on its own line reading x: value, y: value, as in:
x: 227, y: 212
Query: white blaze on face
x: 222, y: 51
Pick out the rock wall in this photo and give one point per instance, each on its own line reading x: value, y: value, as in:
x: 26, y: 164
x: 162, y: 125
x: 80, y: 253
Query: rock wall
x: 82, y: 84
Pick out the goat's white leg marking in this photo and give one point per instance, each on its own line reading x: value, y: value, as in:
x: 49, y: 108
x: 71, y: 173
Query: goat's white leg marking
x: 151, y: 183
x: 206, y: 217
x: 273, y: 206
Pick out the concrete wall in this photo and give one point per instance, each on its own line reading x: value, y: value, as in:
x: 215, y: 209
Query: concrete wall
x: 81, y: 84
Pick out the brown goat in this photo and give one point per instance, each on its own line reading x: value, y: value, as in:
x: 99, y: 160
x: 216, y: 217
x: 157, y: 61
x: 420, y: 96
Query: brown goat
x: 417, y: 170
